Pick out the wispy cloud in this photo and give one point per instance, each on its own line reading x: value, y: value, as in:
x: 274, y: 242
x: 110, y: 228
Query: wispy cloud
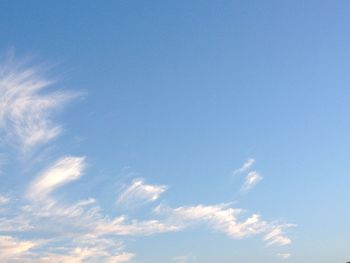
x: 251, y: 180
x: 284, y: 255
x: 90, y: 254
x: 245, y: 167
x: 25, y: 110
x: 276, y: 235
x: 139, y: 193
x: 14, y: 249
x: 63, y: 171
x: 227, y: 220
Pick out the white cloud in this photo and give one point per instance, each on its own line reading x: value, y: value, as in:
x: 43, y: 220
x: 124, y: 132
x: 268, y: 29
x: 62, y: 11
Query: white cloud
x: 284, y: 255
x: 63, y: 171
x: 25, y: 110
x: 225, y: 219
x: 245, y: 167
x: 12, y: 249
x: 276, y: 236
x: 251, y: 180
x: 219, y: 217
x: 139, y: 193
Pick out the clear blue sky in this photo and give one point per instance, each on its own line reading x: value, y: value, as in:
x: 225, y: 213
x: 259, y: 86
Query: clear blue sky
x: 173, y: 97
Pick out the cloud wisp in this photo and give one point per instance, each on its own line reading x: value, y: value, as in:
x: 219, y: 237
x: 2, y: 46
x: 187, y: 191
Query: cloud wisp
x: 13, y: 249
x: 26, y: 106
x: 228, y: 220
x: 139, y: 193
x: 252, y: 179
x: 245, y: 167
x: 63, y: 171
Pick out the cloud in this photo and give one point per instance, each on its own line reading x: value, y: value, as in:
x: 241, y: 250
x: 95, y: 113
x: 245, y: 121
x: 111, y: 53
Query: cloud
x: 124, y: 257
x: 226, y: 219
x: 14, y: 223
x: 91, y: 249
x: 25, y: 110
x: 284, y: 255
x: 251, y: 180
x: 139, y: 193
x: 276, y: 235
x: 4, y: 200
x: 120, y: 226
x: 11, y: 248
x: 84, y: 254
x: 245, y: 167
x: 63, y: 171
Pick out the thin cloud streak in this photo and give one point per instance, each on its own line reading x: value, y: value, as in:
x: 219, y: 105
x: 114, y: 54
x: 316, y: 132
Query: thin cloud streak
x: 252, y: 179
x: 139, y: 193
x: 245, y: 167
x: 63, y: 171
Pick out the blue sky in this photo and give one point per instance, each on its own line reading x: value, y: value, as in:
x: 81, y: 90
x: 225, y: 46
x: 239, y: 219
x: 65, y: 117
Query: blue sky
x: 174, y: 131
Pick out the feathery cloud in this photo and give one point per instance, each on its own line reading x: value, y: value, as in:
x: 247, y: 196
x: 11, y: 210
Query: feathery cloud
x: 245, y: 167
x: 226, y: 219
x: 276, y: 236
x: 251, y: 180
x: 139, y: 193
x: 12, y: 248
x: 25, y: 110
x: 63, y: 171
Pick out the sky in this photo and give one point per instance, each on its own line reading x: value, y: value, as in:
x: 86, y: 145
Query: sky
x: 174, y: 131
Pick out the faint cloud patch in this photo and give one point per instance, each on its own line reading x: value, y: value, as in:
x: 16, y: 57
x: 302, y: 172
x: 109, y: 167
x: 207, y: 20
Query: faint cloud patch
x: 284, y: 255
